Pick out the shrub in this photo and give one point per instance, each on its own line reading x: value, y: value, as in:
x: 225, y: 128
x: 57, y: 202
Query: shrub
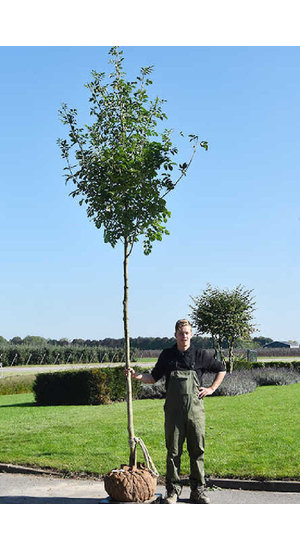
x: 241, y: 364
x: 276, y: 376
x: 236, y: 383
x: 17, y: 384
x: 233, y: 384
x: 82, y: 387
x: 152, y: 391
x: 296, y: 365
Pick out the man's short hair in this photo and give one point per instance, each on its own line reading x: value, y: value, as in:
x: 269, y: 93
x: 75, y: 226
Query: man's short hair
x: 182, y: 323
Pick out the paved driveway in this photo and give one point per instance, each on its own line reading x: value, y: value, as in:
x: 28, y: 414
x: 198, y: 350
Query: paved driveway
x: 36, y: 489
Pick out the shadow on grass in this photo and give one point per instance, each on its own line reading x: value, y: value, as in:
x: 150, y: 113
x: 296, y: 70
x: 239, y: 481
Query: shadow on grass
x: 29, y: 404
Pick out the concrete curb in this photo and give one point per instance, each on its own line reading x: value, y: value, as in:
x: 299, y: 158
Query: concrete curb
x: 243, y: 484
x: 16, y: 469
x: 255, y: 485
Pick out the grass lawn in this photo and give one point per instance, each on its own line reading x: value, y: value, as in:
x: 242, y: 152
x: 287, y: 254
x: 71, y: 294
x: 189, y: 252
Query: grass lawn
x: 251, y: 436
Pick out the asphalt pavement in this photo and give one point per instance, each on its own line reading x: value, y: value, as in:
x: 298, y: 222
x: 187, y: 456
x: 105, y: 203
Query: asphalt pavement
x: 28, y: 488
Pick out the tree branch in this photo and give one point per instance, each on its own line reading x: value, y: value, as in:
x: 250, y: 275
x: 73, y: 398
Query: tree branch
x: 183, y: 172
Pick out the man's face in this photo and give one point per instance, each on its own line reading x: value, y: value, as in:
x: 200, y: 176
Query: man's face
x: 183, y: 337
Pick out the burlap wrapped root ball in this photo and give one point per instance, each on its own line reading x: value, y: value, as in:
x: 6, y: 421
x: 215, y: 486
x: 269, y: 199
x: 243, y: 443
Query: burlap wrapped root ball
x: 130, y: 483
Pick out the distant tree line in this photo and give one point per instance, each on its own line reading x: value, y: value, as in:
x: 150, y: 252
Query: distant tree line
x: 14, y: 355
x: 141, y: 343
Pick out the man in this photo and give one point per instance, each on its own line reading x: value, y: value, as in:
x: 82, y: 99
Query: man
x: 183, y: 366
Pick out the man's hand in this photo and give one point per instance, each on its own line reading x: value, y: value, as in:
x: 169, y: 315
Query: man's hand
x: 146, y: 377
x: 131, y: 371
x: 203, y: 392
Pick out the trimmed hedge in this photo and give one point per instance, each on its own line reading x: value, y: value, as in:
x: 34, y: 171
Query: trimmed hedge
x: 96, y: 386
x: 243, y: 365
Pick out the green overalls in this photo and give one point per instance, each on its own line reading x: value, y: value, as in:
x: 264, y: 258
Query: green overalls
x: 184, y: 419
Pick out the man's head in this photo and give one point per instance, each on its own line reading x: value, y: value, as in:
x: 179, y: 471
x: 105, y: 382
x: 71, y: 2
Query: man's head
x: 183, y: 334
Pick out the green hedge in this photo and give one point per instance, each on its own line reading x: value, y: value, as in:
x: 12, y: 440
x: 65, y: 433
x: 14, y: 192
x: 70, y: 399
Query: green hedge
x: 83, y: 387
x: 242, y: 365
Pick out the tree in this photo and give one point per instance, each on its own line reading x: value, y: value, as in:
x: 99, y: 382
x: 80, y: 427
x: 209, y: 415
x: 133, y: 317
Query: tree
x: 122, y: 167
x: 293, y: 342
x: 262, y: 340
x: 63, y: 342
x: 226, y: 315
x: 34, y: 341
x: 78, y: 342
x: 16, y: 340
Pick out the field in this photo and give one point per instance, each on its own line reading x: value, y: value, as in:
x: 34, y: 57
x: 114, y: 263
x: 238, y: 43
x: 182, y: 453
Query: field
x: 249, y: 436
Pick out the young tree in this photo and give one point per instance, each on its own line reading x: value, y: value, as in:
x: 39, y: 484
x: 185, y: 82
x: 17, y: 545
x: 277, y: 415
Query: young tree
x: 121, y: 167
x: 226, y: 315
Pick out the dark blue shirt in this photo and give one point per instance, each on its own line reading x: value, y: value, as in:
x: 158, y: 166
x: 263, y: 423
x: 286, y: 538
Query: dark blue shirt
x: 199, y: 360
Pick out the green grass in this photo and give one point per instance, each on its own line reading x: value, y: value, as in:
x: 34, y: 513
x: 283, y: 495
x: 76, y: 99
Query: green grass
x: 250, y: 436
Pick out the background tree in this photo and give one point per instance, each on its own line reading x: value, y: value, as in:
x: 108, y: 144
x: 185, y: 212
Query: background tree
x: 16, y: 340
x: 34, y: 341
x: 262, y: 340
x: 226, y: 315
x: 122, y: 167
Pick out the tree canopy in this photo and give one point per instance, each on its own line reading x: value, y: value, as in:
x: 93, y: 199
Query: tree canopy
x: 120, y: 164
x: 226, y: 315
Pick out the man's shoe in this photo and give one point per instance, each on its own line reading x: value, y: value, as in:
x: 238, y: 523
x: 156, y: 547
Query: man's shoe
x: 171, y: 499
x: 199, y: 497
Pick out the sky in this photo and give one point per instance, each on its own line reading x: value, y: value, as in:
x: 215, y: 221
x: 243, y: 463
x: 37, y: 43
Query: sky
x: 235, y: 217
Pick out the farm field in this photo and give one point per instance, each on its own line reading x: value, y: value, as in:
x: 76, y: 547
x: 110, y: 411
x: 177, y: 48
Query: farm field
x: 254, y: 435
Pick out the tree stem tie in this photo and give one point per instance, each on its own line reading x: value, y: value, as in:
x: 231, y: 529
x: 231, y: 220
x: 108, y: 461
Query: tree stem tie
x: 149, y: 462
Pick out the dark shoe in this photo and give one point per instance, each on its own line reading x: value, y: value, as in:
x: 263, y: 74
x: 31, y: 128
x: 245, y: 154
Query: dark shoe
x: 199, y: 497
x: 171, y: 498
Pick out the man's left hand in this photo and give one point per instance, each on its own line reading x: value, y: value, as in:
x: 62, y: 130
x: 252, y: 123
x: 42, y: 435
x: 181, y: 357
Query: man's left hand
x: 203, y: 392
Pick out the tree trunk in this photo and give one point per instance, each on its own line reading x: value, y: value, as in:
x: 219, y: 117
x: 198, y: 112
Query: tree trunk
x: 132, y: 456
x: 230, y: 356
x: 215, y: 346
x: 222, y: 356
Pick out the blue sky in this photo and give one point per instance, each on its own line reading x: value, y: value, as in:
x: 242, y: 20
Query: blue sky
x: 235, y: 217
